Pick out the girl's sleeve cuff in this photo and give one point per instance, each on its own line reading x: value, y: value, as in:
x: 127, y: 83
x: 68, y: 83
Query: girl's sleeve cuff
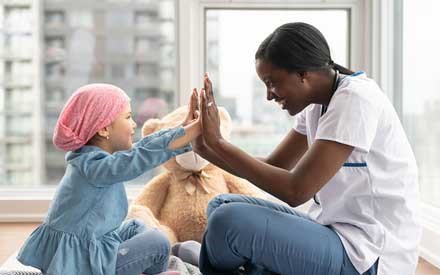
x: 164, y: 137
x: 176, y: 133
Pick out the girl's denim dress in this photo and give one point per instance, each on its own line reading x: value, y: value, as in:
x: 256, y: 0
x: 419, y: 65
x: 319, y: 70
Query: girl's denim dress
x: 80, y: 234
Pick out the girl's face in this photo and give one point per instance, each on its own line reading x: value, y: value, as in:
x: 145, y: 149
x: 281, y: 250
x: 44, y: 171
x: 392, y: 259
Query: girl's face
x: 121, y: 131
x: 287, y: 89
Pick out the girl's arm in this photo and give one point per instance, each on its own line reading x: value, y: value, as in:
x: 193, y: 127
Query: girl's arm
x: 151, y: 151
x: 101, y: 168
x: 192, y: 131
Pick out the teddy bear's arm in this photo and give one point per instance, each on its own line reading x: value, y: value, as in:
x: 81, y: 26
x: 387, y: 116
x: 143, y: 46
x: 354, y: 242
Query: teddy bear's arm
x: 146, y: 216
x: 154, y: 193
x: 148, y: 203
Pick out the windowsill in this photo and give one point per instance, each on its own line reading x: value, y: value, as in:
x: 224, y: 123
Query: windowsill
x: 26, y: 194
x: 45, y: 193
x: 31, y: 205
x: 430, y: 243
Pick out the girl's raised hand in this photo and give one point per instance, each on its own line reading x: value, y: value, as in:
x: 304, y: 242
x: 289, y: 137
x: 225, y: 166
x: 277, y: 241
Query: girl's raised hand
x: 193, y: 107
x: 191, y: 124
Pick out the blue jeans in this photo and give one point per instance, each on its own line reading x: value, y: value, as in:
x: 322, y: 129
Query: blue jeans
x: 268, y: 238
x: 143, y: 250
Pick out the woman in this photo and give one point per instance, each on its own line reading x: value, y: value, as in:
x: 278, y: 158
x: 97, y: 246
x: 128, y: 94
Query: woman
x: 348, y: 152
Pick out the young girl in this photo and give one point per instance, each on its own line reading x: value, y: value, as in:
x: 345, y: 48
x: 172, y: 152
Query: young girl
x: 84, y: 232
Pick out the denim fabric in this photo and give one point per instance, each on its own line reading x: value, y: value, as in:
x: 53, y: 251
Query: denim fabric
x: 81, y: 233
x: 147, y: 251
x: 268, y: 238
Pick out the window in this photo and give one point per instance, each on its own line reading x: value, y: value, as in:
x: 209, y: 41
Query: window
x: 232, y: 37
x: 421, y: 87
x: 130, y: 44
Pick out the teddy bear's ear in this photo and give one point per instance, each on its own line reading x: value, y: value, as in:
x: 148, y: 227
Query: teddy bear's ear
x: 225, y: 123
x: 150, y: 126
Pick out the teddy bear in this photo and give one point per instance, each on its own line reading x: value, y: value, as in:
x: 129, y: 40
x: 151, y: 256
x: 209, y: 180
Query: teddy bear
x: 175, y: 201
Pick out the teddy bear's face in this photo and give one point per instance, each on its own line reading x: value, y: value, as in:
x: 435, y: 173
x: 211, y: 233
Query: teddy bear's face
x: 189, y: 161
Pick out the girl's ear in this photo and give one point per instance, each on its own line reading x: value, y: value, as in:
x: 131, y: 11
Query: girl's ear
x: 104, y: 133
x: 150, y: 126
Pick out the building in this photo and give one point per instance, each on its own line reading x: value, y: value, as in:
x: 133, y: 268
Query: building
x: 49, y: 48
x: 20, y: 142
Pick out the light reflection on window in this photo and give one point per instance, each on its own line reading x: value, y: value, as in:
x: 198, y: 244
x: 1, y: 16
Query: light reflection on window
x: 421, y: 92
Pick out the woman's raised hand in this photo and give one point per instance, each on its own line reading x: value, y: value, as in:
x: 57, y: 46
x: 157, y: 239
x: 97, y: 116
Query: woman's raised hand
x: 209, y: 117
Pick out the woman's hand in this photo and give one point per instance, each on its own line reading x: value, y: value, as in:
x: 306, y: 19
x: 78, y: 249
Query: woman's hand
x: 193, y: 113
x: 209, y: 115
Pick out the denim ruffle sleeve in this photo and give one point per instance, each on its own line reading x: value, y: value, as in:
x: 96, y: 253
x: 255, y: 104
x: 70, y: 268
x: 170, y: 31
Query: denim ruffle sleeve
x: 102, y: 168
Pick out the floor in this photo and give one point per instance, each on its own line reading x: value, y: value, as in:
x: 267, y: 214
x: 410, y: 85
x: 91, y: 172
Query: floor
x: 12, y: 236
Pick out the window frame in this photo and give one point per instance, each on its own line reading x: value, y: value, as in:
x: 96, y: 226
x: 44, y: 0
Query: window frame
x: 193, y: 27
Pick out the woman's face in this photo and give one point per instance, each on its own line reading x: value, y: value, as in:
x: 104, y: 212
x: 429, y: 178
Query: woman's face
x: 287, y: 89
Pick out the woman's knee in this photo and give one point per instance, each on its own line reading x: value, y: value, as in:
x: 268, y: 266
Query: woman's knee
x: 229, y: 217
x: 214, y: 204
x: 218, y: 201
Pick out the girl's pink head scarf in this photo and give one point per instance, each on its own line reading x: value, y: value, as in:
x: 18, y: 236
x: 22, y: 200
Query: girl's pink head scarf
x: 89, y: 109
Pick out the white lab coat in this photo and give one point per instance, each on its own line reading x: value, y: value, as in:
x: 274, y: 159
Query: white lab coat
x: 372, y: 201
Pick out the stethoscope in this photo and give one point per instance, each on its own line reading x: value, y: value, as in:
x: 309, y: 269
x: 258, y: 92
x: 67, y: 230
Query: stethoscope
x: 334, y: 87
x: 324, y: 109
